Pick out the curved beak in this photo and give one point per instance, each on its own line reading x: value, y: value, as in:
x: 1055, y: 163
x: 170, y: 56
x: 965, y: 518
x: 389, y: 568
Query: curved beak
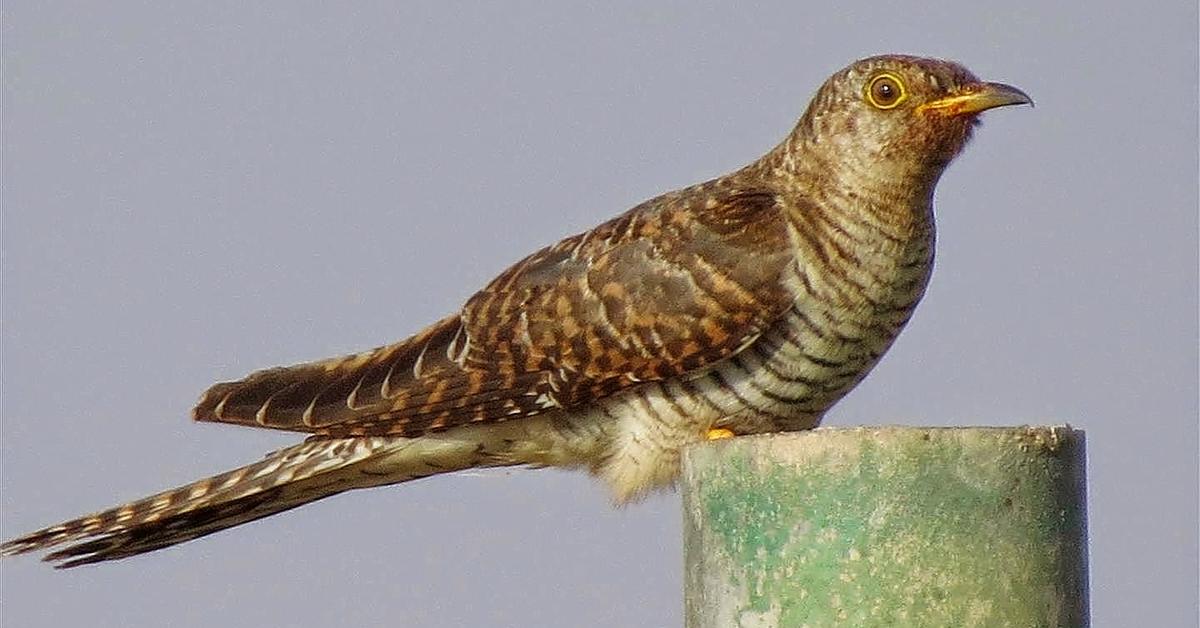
x: 976, y: 98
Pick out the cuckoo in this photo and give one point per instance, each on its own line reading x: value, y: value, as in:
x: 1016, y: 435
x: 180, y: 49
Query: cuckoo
x: 749, y: 303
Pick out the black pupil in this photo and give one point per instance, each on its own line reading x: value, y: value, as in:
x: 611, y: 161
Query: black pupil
x: 885, y: 90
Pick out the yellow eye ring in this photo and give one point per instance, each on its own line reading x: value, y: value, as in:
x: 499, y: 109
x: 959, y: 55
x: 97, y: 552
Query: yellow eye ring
x: 885, y: 91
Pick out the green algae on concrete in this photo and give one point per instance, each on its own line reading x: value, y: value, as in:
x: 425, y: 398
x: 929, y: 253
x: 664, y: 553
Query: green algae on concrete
x: 887, y: 526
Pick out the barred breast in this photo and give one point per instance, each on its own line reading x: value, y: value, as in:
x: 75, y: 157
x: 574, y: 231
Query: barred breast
x: 856, y: 281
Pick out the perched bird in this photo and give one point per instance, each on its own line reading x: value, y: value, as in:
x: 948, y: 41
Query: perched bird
x: 749, y: 303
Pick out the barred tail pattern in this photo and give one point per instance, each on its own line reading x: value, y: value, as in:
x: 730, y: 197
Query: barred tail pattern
x: 283, y: 480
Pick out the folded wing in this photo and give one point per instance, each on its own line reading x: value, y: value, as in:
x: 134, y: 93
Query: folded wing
x: 669, y: 287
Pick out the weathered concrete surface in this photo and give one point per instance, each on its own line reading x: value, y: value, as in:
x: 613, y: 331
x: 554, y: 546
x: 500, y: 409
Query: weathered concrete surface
x: 888, y: 526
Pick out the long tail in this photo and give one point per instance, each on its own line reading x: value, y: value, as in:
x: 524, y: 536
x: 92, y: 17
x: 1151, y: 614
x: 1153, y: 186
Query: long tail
x: 285, y: 479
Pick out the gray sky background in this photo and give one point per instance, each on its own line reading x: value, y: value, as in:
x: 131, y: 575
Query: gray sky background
x: 192, y: 191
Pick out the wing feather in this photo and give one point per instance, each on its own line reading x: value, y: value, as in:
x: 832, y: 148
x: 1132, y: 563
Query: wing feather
x: 670, y: 287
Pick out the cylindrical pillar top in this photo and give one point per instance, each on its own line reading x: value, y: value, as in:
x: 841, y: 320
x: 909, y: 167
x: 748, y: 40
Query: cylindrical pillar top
x: 887, y: 526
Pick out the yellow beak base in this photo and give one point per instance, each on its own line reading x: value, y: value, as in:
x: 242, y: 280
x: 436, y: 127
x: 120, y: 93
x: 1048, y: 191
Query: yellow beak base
x: 976, y: 98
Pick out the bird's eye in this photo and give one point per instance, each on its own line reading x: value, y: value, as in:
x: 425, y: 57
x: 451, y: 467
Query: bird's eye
x: 885, y: 91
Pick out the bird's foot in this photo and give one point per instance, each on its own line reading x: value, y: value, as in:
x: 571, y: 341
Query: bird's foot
x: 718, y: 433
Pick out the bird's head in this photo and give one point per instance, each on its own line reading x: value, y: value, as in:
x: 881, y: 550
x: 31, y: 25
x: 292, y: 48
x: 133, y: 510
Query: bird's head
x: 898, y: 117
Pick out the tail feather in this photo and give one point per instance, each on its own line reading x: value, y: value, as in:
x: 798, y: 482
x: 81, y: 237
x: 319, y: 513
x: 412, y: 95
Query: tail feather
x: 283, y: 480
x: 172, y: 530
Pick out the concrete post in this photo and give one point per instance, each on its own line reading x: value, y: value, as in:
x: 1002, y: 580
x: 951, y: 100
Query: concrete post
x: 887, y: 526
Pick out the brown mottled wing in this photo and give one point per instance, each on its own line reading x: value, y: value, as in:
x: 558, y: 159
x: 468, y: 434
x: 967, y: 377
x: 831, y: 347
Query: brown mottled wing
x: 665, y: 289
x: 409, y: 385
x: 671, y: 286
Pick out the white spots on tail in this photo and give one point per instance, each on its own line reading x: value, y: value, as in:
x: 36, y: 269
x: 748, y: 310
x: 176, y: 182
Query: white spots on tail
x: 124, y: 514
x: 267, y: 469
x: 233, y: 479
x: 198, y: 490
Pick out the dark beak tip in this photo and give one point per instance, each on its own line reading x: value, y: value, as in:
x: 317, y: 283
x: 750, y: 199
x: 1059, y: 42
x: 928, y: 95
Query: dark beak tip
x: 1014, y: 95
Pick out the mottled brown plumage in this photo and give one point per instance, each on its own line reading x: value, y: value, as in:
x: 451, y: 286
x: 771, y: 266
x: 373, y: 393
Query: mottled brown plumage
x: 575, y: 322
x: 748, y: 303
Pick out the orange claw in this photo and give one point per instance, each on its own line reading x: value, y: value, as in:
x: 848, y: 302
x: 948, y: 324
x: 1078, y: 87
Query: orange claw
x: 717, y: 433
